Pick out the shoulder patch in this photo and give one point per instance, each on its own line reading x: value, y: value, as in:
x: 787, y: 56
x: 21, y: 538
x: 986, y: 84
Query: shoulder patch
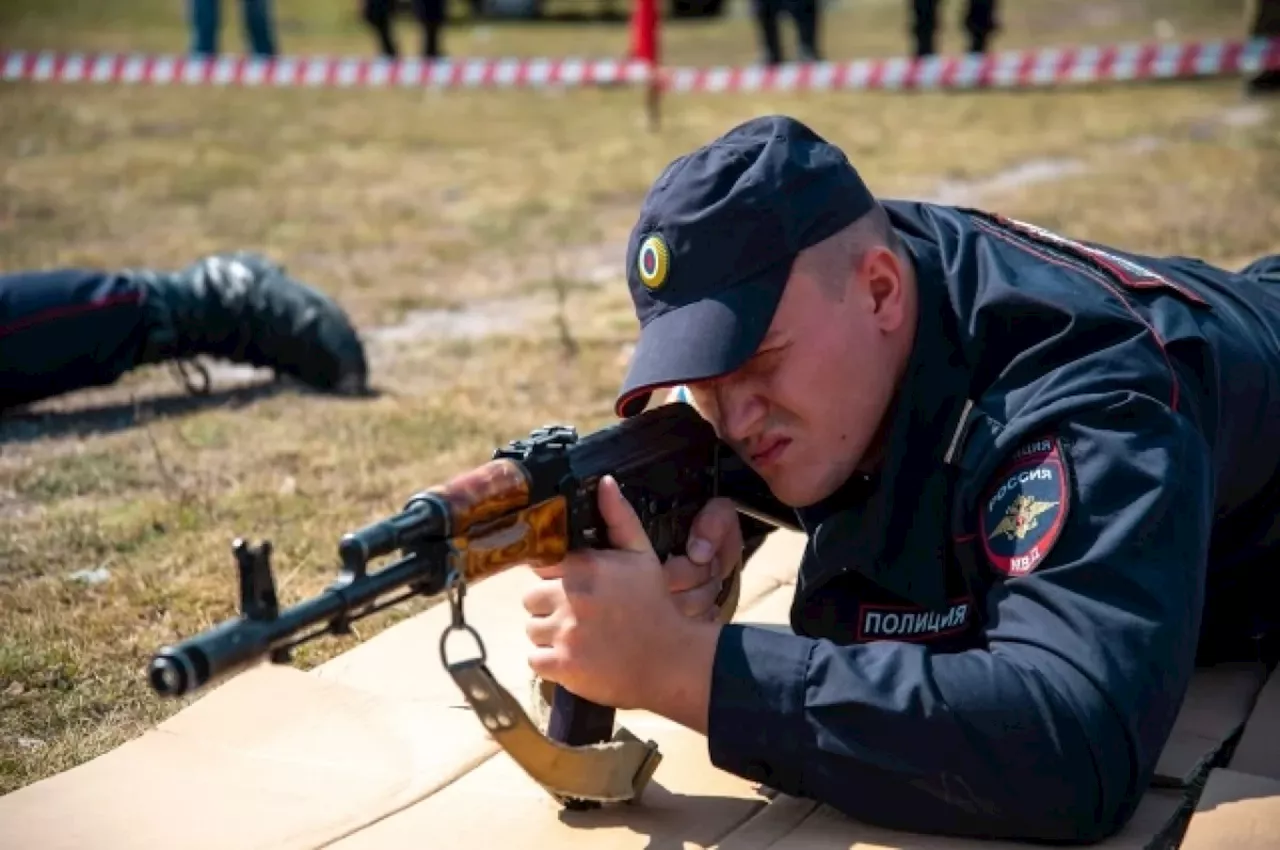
x: 1025, y: 507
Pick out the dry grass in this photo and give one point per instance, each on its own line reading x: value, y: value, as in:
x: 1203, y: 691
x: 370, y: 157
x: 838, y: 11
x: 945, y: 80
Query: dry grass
x: 400, y: 201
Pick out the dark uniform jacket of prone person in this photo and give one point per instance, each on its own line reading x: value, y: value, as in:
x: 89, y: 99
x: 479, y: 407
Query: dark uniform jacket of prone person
x: 1079, y: 501
x: 68, y: 329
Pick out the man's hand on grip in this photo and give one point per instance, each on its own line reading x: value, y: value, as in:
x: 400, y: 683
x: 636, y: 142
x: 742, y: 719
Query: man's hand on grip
x: 605, y: 624
x: 712, y: 553
x: 603, y: 616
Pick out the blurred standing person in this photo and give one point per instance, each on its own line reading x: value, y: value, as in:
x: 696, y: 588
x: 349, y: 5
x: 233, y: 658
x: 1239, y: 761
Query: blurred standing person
x: 804, y: 13
x: 430, y: 13
x: 259, y: 27
x: 979, y: 22
x: 1262, y: 17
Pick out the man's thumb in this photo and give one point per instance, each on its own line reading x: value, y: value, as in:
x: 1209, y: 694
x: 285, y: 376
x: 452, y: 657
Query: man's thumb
x: 625, y: 530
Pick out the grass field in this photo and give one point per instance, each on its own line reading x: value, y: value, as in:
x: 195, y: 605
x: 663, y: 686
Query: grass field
x: 476, y: 238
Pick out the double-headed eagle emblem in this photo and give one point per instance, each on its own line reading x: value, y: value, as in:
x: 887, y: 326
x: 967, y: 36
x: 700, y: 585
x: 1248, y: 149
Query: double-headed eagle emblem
x: 1021, y: 517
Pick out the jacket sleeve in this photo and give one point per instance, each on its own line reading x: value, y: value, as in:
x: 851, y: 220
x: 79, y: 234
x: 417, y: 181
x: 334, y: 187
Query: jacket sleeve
x: 1053, y: 729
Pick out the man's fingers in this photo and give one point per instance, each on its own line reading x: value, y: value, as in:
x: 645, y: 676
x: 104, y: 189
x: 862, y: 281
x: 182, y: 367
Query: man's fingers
x: 625, y: 530
x: 543, y: 598
x: 697, y: 601
x: 546, y: 663
x: 683, y: 574
x: 727, y: 562
x: 713, y: 525
x: 552, y: 571
x: 542, y: 631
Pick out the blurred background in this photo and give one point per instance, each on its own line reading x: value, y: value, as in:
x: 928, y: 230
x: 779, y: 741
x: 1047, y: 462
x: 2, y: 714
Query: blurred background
x: 476, y: 239
x: 697, y: 31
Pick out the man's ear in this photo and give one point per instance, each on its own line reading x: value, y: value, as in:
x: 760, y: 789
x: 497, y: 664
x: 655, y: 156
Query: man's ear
x: 885, y: 285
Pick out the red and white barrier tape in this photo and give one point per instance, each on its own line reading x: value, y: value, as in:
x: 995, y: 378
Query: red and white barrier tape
x: 314, y: 71
x: 1039, y: 67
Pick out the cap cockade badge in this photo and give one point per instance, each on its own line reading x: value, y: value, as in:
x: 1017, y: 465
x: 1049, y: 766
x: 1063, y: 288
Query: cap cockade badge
x: 653, y: 262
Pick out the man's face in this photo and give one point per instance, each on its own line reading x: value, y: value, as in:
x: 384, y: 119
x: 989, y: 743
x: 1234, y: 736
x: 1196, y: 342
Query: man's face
x: 806, y: 410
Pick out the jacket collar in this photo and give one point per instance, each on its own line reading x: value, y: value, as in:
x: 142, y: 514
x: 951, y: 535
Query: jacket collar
x: 894, y: 528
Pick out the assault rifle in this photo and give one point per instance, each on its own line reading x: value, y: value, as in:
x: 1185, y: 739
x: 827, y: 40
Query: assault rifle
x: 534, y: 501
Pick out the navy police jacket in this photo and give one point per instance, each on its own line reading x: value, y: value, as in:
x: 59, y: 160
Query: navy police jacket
x: 1079, y: 501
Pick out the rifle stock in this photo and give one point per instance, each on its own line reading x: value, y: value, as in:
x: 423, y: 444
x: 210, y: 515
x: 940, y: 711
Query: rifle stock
x: 533, y: 502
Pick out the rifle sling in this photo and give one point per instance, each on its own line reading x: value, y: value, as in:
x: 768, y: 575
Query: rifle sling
x: 613, y: 771
x: 610, y: 772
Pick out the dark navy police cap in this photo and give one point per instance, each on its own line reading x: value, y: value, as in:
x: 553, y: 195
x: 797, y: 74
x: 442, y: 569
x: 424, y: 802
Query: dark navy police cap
x: 714, y: 243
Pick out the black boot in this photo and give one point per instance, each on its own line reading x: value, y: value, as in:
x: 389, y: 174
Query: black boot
x: 243, y: 308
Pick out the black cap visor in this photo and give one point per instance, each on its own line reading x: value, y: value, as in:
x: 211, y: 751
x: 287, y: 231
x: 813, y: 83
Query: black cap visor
x: 702, y: 340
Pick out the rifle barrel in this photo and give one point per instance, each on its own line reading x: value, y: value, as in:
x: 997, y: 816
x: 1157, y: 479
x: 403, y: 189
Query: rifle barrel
x: 241, y: 641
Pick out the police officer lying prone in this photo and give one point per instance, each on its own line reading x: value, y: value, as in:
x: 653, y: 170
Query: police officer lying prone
x: 68, y: 329
x: 1037, y: 477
